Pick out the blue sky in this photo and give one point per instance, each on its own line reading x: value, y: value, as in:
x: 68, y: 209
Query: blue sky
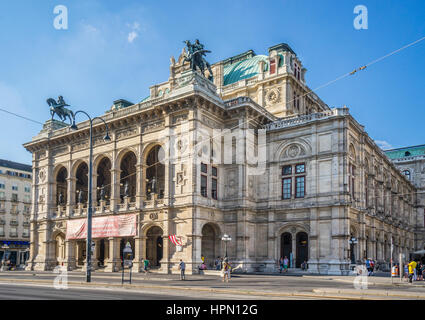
x: 117, y: 49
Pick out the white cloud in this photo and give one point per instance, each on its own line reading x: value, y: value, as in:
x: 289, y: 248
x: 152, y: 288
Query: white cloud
x: 131, y: 36
x: 384, y: 145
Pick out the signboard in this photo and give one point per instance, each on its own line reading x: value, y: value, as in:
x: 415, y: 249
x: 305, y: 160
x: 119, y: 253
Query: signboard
x: 103, y: 227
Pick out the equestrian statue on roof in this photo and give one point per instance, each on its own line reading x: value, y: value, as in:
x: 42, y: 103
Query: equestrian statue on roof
x: 195, y: 55
x: 59, y: 109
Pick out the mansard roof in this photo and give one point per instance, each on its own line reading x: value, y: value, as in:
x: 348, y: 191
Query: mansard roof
x: 406, y: 152
x: 15, y: 165
x: 244, y: 69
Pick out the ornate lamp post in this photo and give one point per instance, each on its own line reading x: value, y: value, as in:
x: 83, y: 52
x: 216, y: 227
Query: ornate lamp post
x: 89, y: 206
x: 352, y: 242
x: 226, y: 238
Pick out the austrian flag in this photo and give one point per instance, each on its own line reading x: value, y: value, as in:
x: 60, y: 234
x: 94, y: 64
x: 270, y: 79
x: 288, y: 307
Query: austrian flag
x: 173, y: 239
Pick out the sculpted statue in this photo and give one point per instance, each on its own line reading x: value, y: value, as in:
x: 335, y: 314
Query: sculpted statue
x: 102, y: 192
x: 195, y: 55
x: 126, y: 189
x: 153, y: 185
x: 60, y: 198
x: 59, y: 109
x: 80, y: 196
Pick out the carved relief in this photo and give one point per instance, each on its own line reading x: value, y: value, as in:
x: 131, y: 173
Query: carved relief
x: 293, y: 151
x: 179, y: 118
x: 59, y: 151
x: 231, y: 184
x: 80, y: 145
x: 273, y: 96
x: 128, y: 132
x: 153, y: 126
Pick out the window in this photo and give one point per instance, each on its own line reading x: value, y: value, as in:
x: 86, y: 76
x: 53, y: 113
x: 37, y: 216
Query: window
x: 27, y: 189
x: 2, y: 185
x: 15, y: 188
x: 2, y: 195
x: 300, y: 187
x: 214, y: 183
x: 272, y: 66
x: 27, y: 198
x: 352, y: 172
x: 366, y: 191
x: 286, y: 188
x: 14, y: 197
x: 204, y: 180
x: 286, y: 170
x: 300, y: 168
x: 407, y: 174
x: 293, y: 175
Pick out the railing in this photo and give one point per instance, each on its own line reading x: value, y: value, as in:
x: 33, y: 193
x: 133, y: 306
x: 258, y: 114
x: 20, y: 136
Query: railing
x: 14, y: 223
x: 293, y: 121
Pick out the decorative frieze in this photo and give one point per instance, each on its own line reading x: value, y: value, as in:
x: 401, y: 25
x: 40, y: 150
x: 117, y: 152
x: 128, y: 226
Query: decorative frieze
x: 125, y: 133
x: 149, y: 127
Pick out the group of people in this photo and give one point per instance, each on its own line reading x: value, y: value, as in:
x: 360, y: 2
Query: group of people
x: 370, y: 266
x: 284, y: 264
x: 414, y: 271
x: 220, y: 264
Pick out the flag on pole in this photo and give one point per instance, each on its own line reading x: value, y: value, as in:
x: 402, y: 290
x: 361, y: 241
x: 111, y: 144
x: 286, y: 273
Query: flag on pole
x: 174, y: 239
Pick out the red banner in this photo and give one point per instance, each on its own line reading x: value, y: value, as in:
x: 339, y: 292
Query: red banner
x: 103, y: 227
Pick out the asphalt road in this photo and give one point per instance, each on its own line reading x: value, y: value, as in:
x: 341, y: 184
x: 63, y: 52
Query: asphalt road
x: 26, y: 291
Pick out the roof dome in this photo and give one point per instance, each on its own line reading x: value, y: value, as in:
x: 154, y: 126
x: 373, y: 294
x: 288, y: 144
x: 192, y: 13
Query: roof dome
x: 244, y: 69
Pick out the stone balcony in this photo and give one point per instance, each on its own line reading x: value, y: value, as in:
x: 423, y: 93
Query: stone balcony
x: 299, y: 120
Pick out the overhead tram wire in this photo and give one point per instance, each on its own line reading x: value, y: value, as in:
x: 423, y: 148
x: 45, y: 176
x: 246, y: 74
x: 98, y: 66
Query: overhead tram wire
x: 19, y: 116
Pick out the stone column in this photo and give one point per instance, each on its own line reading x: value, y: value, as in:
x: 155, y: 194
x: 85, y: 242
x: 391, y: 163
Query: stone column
x: 115, y: 189
x: 94, y: 190
x: 114, y: 262
x: 139, y: 186
x: 139, y: 253
x: 70, y: 262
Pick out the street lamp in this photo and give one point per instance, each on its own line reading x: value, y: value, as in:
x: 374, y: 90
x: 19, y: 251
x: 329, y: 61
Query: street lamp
x: 352, y: 241
x: 89, y: 206
x: 226, y: 238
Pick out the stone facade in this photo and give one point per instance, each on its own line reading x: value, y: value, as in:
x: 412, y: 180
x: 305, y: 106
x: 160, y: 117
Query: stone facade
x: 323, y: 180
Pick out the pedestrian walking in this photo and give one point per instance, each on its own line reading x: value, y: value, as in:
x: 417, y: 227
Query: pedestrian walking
x: 226, y: 271
x: 304, y: 265
x: 182, y: 267
x: 412, y: 268
x: 145, y: 265
x: 217, y: 264
x: 285, y: 264
x: 280, y: 264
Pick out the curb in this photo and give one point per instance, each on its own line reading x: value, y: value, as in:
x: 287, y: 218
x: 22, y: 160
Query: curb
x: 201, y: 289
x: 370, y: 293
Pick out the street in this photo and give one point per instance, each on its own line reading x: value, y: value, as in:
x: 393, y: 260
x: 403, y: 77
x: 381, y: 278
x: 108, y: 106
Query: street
x: 40, y: 285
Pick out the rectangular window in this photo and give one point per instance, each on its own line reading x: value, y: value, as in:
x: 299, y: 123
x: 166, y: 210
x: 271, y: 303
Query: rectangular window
x: 214, y: 188
x: 2, y: 195
x: 286, y: 170
x: 286, y: 188
x: 300, y: 168
x: 2, y: 185
x: 204, y: 186
x: 15, y: 188
x: 214, y: 171
x: 272, y: 66
x: 14, y: 197
x: 299, y: 187
x: 27, y: 189
x: 204, y: 168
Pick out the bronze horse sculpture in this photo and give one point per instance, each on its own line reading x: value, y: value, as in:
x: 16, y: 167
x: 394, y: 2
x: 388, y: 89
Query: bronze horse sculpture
x: 59, y: 109
x: 195, y: 56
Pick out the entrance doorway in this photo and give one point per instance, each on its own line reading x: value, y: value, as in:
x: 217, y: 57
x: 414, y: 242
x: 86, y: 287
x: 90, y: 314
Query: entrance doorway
x: 285, y: 245
x: 154, y: 246
x: 210, y: 245
x: 302, y: 248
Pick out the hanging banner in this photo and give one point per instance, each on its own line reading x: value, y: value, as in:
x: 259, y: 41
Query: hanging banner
x: 103, y: 227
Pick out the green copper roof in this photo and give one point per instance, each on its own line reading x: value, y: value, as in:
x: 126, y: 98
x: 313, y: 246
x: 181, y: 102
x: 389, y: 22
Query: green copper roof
x: 244, y: 69
x: 406, y: 152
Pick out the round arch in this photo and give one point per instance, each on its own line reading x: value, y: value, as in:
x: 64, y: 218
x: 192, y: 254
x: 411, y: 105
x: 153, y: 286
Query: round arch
x: 210, y: 243
x: 154, y: 244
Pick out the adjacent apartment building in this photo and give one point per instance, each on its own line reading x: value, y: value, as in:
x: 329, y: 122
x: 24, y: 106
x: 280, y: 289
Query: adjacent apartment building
x: 15, y: 211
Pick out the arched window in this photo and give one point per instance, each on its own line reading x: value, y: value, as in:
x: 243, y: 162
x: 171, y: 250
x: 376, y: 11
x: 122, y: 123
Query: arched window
x: 407, y: 174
